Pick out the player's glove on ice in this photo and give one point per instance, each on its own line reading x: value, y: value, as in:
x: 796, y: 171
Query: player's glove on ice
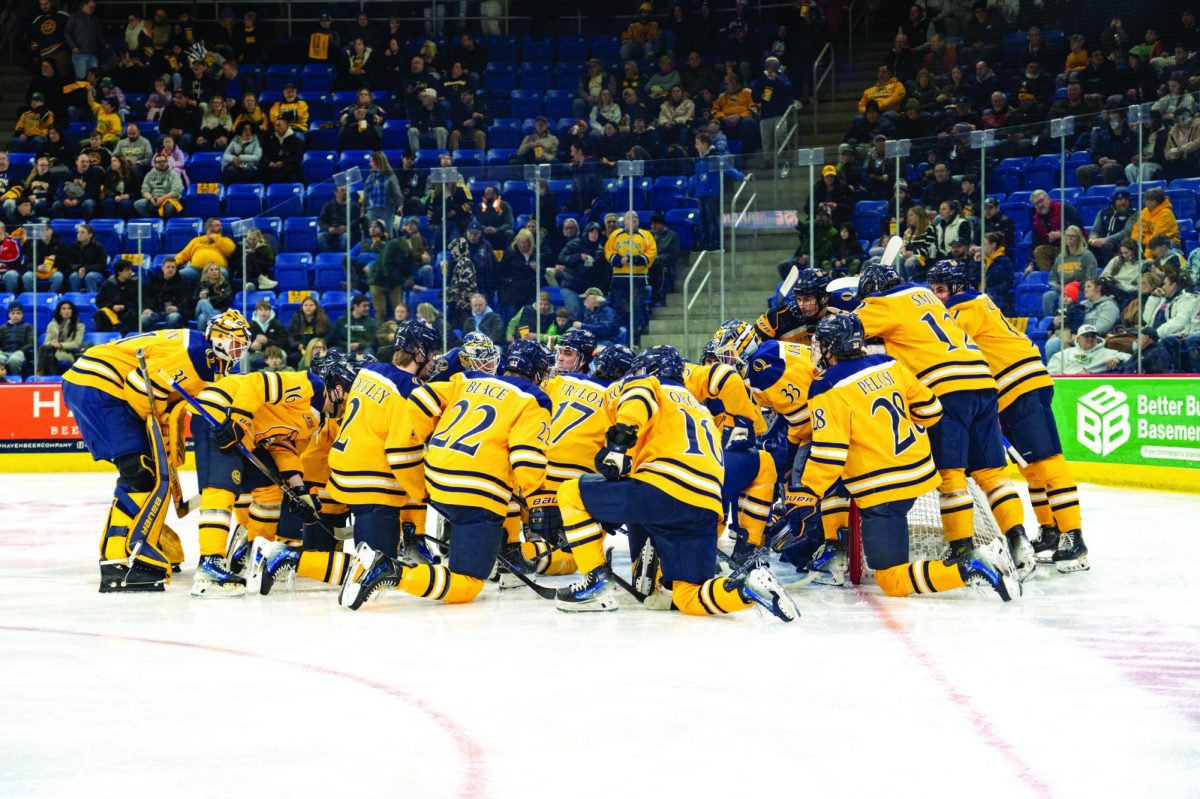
x: 611, y: 460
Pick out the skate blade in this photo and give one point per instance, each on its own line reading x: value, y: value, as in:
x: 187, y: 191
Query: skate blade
x: 117, y: 587
x: 599, y: 606
x: 507, y: 582
x: 825, y: 578
x: 217, y: 591
x: 1024, y: 571
x: 1080, y: 564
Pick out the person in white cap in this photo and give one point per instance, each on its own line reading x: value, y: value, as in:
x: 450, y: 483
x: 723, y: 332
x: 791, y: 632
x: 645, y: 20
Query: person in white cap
x: 1088, y: 356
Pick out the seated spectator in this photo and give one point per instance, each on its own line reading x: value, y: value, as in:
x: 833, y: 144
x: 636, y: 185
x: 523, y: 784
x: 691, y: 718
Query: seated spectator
x: 643, y: 38
x: 117, y: 301
x: 920, y: 244
x: 167, y: 299
x: 1075, y: 104
x: 428, y: 120
x: 869, y: 125
x: 16, y: 340
x: 1098, y: 309
x: 669, y: 258
x: 563, y: 321
x: 484, y: 320
x: 1048, y: 217
x: 495, y: 215
x: 1157, y: 219
x: 1182, y: 152
x: 332, y: 222
x: 259, y: 259
x: 79, y: 194
x: 998, y: 273
x: 902, y: 61
x: 518, y: 273
x: 1111, y: 226
x: 1087, y: 356
x: 593, y: 81
x: 433, y: 317
x: 985, y: 84
x: 470, y: 120
x: 923, y: 91
x: 1166, y: 257
x: 108, y: 120
x: 824, y: 236
x: 33, y: 126
x: 357, y: 65
x: 525, y: 323
x: 265, y: 331
x: 292, y: 110
x: 162, y: 191
x: 122, y: 187
x: 282, y: 152
x: 604, y: 111
x: 309, y: 323
x: 996, y: 221
x: 250, y: 111
x: 180, y: 120
x: 659, y: 85
x: 912, y: 124
x: 361, y: 123
x: 983, y: 36
x: 1151, y: 356
x: 847, y: 255
x: 735, y: 110
x: 1176, y: 98
x: 359, y: 326
x: 63, y: 339
x: 540, y: 146
x: 210, y: 247
x: 216, y: 126
x: 275, y: 361
x: 887, y: 92
x: 1113, y: 146
x: 1124, y: 269
x: 213, y: 295
x: 1073, y: 265
x: 675, y: 115
x: 243, y: 155
x: 471, y: 54
x: 314, y: 349
x: 832, y: 190
x: 96, y: 152
x: 940, y: 57
x: 949, y: 227
x: 85, y: 261
x: 1077, y: 58
x: 599, y: 318
x: 10, y: 261
x: 1171, y: 307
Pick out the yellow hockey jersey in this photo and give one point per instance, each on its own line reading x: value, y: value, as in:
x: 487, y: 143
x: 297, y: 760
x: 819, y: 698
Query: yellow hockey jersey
x: 723, y: 392
x: 113, y: 368
x: 919, y: 333
x: 314, y: 464
x: 577, y: 426
x: 868, y: 420
x: 639, y: 247
x: 486, y: 439
x: 780, y: 375
x: 1014, y: 360
x: 373, y: 446
x: 782, y: 325
x: 278, y: 410
x: 678, y: 450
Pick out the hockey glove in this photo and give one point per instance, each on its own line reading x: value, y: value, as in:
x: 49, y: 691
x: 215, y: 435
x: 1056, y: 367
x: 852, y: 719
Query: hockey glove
x: 306, y: 506
x: 230, y: 432
x: 612, y: 461
x: 545, y: 521
x: 799, y: 506
x: 739, y: 437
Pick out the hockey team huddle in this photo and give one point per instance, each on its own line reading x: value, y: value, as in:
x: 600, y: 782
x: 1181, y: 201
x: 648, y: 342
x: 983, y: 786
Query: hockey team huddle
x: 533, y: 458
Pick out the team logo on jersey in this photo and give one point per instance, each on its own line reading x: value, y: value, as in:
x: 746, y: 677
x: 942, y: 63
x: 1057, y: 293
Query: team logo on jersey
x: 760, y: 365
x: 236, y: 476
x: 1102, y: 420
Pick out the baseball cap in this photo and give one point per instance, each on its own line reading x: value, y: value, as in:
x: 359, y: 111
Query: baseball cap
x: 991, y: 202
x: 594, y: 292
x: 880, y: 137
x: 645, y: 7
x: 1151, y: 332
x: 474, y: 225
x: 1087, y: 330
x: 828, y: 169
x: 963, y: 241
x: 658, y: 219
x: 912, y: 102
x: 429, y: 93
x: 38, y: 96
x: 1121, y: 194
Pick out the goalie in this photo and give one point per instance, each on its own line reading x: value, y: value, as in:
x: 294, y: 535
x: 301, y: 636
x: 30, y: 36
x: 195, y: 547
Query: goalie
x: 869, y: 415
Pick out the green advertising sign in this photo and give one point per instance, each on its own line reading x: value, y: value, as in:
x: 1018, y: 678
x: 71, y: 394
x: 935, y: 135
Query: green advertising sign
x: 1142, y: 421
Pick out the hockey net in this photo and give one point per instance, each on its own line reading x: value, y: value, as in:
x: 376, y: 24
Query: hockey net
x: 926, y: 539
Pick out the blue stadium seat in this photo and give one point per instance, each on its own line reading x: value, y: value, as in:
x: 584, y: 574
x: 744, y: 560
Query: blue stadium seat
x: 318, y: 165
x: 179, y: 231
x: 683, y: 221
x: 1183, y: 203
x: 606, y: 47
x: 573, y: 49
x: 20, y: 163
x: 468, y: 158
x: 427, y: 158
x: 534, y: 77
x: 519, y: 197
x: 253, y: 298
x: 1038, y: 278
x: 1041, y: 176
x: 244, y: 200
x: 558, y: 103
x: 1029, y: 299
x: 868, y: 215
x: 1104, y: 190
x: 354, y: 158
x: 204, y: 167
x: 499, y: 156
x: 91, y: 339
x: 540, y: 51
x: 279, y: 75
x: 317, y: 78
x: 328, y: 279
x: 526, y: 103
x: 502, y: 49
x: 1186, y: 183
x: 500, y: 77
x: 291, y: 277
x: 395, y: 135
x: 1072, y: 194
x: 316, y: 196
x: 272, y: 225
x: 321, y: 138
x: 206, y: 204
x: 285, y: 199
x: 300, y: 234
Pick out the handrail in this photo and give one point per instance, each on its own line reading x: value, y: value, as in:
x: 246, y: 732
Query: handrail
x: 863, y: 13
x: 734, y: 226
x: 818, y: 82
x: 690, y: 298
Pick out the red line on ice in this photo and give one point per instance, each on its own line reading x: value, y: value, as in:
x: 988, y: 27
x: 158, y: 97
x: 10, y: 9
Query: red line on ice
x: 986, y: 730
x: 469, y: 749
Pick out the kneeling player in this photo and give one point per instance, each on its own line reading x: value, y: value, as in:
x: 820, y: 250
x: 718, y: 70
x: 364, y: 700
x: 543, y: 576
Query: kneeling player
x: 486, y: 438
x: 1026, y: 419
x: 868, y: 418
x: 661, y: 474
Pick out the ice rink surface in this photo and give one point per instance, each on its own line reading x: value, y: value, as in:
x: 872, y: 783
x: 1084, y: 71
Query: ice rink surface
x: 1087, y: 686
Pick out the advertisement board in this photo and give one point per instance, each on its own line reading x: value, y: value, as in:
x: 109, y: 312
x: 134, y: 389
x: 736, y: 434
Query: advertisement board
x: 36, y: 420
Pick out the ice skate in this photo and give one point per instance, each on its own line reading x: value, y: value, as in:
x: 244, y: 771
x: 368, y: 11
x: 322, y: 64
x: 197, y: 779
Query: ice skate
x: 1072, y: 553
x: 271, y: 562
x: 1046, y: 544
x: 645, y: 569
x: 830, y: 563
x: 214, y: 579
x: 592, y: 592
x: 237, y: 552
x: 1023, y: 555
x: 757, y: 584
x: 991, y: 568
x: 369, y: 572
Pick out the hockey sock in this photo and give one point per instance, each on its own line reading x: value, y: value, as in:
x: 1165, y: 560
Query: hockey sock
x: 754, y: 504
x: 956, y: 505
x: 1002, y: 496
x: 512, y: 524
x: 919, y: 577
x: 438, y: 582
x: 1037, y: 495
x: 241, y: 509
x: 264, y: 512
x: 215, y: 518
x: 710, y: 598
x: 328, y: 567
x: 835, y: 514
x: 584, y: 534
x: 557, y: 562
x: 414, y: 512
x: 1061, y: 492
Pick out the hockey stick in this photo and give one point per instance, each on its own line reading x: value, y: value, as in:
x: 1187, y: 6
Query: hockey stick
x: 892, y: 251
x: 785, y: 288
x: 628, y: 587
x: 1012, y: 453
x: 269, y: 471
x: 544, y: 591
x: 181, y: 508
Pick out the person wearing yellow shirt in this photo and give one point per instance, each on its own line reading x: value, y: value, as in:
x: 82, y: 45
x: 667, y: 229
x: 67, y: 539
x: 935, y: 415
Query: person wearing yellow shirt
x: 888, y: 92
x: 629, y: 251
x: 108, y: 121
x: 33, y: 126
x: 737, y: 113
x: 292, y: 110
x: 1157, y: 218
x: 213, y: 247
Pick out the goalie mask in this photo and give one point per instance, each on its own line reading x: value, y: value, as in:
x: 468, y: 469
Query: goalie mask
x: 478, y: 353
x: 736, y: 344
x: 228, y: 335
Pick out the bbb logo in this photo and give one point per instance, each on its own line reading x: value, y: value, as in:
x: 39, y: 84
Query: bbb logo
x: 1102, y: 420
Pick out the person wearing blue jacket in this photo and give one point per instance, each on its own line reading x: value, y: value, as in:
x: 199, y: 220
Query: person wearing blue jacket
x: 705, y: 186
x: 773, y: 92
x: 1000, y: 274
x: 1113, y: 146
x: 599, y: 318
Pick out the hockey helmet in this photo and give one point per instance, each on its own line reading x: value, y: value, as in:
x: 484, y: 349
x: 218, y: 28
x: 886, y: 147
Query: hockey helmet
x: 479, y: 353
x: 529, y: 359
x: 228, y: 336
x: 840, y: 335
x: 614, y: 362
x: 663, y: 362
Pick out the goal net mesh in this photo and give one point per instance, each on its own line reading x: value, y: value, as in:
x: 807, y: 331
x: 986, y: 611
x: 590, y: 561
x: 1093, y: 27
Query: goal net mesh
x: 926, y: 539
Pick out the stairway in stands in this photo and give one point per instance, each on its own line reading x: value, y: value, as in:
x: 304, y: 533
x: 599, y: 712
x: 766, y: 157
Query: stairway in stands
x: 14, y: 81
x: 747, y: 291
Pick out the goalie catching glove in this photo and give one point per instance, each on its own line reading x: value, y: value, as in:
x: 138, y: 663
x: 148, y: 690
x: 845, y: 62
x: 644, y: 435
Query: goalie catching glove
x: 611, y: 460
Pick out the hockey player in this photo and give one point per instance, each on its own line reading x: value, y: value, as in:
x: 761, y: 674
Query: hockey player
x: 802, y: 307
x: 577, y: 424
x: 107, y: 395
x: 312, y: 550
x: 1026, y: 419
x: 486, y: 437
x: 477, y: 353
x: 661, y: 475
x: 275, y: 415
x: 869, y: 415
x: 373, y: 445
x: 920, y: 334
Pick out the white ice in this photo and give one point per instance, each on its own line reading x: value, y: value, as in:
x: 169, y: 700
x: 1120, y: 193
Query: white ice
x: 1087, y: 686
